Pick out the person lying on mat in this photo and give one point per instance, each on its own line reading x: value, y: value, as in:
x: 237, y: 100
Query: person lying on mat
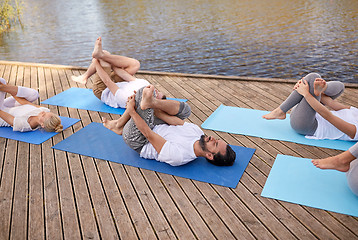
x: 177, y: 142
x: 311, y: 118
x: 113, y: 88
x: 344, y: 162
x: 21, y: 114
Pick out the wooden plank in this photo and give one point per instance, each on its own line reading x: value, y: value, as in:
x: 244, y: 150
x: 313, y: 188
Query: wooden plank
x: 70, y: 222
x: 84, y: 205
x: 175, y: 219
x: 36, y: 198
x: 143, y: 227
x: 36, y: 220
x: 105, y: 223
x: 53, y: 222
x: 150, y: 206
x: 19, y: 207
x: 20, y: 204
x: 116, y: 202
x: 185, y: 206
x: 7, y: 189
x: 204, y: 208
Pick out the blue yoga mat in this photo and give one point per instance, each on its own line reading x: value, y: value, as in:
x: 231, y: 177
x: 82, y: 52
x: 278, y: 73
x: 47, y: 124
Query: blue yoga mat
x: 35, y: 137
x: 297, y: 180
x: 250, y: 122
x: 83, y: 98
x: 96, y: 141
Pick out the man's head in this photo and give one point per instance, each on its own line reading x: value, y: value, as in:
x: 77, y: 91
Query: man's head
x: 217, y: 151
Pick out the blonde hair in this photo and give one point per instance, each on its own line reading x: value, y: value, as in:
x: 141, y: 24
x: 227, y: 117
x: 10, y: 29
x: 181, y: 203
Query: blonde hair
x: 53, y: 124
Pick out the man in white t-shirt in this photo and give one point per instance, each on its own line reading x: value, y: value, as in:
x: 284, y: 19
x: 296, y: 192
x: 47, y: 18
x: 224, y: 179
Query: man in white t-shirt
x: 177, y: 142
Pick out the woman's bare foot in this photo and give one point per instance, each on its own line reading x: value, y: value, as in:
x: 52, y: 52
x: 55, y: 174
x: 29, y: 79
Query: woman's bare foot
x: 80, y: 79
x: 275, y: 114
x: 334, y: 162
x: 320, y: 86
x: 112, y: 125
x: 147, y: 97
x: 97, y: 51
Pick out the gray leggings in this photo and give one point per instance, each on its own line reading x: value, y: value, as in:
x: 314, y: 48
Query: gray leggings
x: 352, y: 174
x: 303, y: 116
x: 131, y: 134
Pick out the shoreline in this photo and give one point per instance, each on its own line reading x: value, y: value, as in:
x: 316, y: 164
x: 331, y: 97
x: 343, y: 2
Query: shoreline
x: 189, y: 75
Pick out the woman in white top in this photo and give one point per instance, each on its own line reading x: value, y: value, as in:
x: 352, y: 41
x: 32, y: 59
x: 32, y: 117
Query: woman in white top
x: 21, y: 114
x: 112, y: 88
x: 311, y: 118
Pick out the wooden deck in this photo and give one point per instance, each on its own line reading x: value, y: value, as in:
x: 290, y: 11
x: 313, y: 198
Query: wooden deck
x: 51, y: 194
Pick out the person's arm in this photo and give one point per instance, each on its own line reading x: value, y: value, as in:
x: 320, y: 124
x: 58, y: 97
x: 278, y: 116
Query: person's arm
x: 169, y: 119
x: 333, y: 104
x: 347, y: 128
x: 155, y: 139
x: 7, y: 117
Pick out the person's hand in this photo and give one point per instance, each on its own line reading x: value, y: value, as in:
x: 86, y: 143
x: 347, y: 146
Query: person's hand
x: 130, y: 105
x: 302, y: 87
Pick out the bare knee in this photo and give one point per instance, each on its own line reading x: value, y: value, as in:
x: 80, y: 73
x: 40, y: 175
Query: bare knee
x: 133, y: 67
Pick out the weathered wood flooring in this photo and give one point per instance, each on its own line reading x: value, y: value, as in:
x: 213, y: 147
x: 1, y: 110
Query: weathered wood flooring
x: 51, y: 194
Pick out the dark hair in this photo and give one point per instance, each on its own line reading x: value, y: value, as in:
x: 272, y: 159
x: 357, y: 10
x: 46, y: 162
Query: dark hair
x: 224, y: 160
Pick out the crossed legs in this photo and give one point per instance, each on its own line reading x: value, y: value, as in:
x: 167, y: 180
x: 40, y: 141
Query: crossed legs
x: 124, y: 67
x: 303, y: 116
x: 160, y: 111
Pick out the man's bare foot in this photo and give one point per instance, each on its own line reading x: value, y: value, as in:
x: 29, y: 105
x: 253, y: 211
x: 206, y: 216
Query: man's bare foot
x: 320, y: 86
x: 275, y: 114
x: 334, y: 162
x: 80, y: 79
x: 97, y: 51
x: 112, y: 125
x: 147, y: 97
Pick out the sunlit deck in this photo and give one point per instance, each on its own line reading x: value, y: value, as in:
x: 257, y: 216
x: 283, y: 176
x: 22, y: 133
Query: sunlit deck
x: 51, y: 194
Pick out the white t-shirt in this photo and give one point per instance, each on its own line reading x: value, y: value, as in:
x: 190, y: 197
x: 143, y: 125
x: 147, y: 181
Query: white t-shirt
x: 21, y: 115
x: 126, y: 89
x: 325, y: 130
x: 179, y: 146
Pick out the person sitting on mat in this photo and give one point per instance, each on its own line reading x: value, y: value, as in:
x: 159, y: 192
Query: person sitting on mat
x: 113, y: 88
x: 177, y: 142
x: 344, y: 162
x: 21, y: 114
x: 311, y: 118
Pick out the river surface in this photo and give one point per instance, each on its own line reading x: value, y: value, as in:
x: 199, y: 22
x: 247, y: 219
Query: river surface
x: 258, y: 38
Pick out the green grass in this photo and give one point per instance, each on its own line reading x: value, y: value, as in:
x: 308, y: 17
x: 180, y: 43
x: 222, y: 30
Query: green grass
x: 10, y: 13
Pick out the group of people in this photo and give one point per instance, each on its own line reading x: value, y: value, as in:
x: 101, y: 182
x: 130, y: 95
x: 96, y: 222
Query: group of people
x: 155, y: 127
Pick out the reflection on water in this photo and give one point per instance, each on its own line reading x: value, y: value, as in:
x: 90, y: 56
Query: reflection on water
x: 262, y: 38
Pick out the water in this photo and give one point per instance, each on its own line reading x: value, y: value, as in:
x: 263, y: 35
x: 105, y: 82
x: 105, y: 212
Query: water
x: 258, y: 38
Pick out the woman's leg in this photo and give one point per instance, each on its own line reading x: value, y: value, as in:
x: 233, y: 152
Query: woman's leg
x: 98, y: 85
x: 334, y: 89
x: 105, y: 78
x: 303, y: 116
x: 120, y: 64
x: 29, y: 94
x: 84, y: 77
